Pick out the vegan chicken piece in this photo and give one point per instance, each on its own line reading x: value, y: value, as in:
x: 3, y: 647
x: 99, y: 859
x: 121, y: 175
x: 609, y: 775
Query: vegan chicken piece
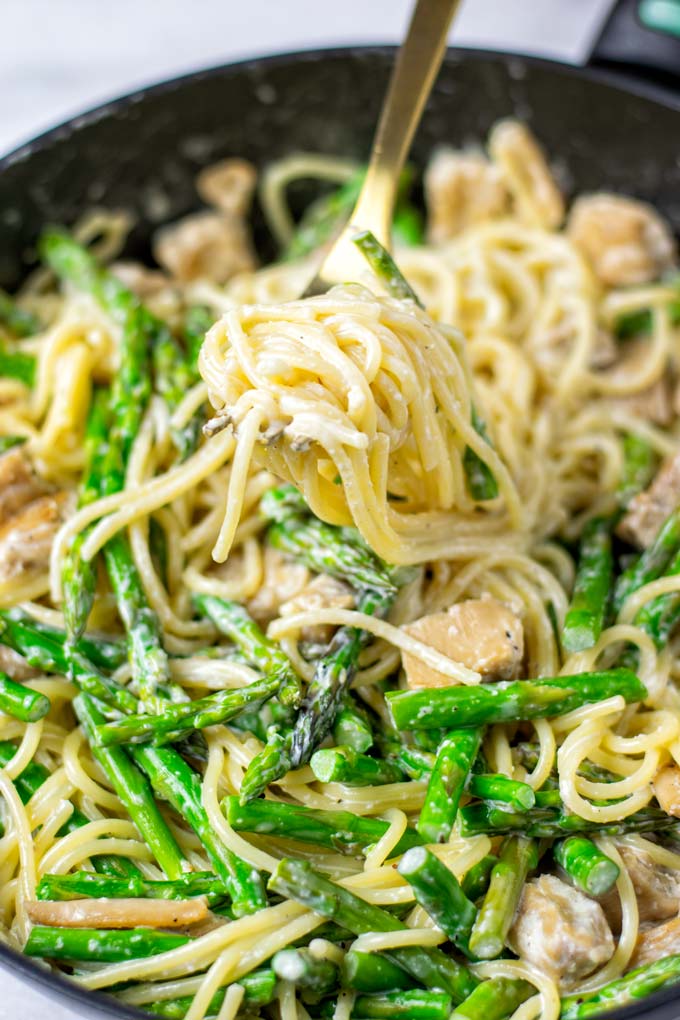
x: 657, y: 889
x: 461, y: 190
x: 560, y: 930
x: 482, y: 634
x: 322, y: 592
x: 649, y: 509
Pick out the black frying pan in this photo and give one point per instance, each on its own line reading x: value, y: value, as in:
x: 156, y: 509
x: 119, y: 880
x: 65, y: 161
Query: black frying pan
x: 142, y: 153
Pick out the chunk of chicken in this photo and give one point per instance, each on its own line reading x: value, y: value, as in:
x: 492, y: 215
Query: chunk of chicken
x: 323, y: 592
x: 625, y: 241
x: 26, y: 538
x: 666, y: 787
x: 657, y: 889
x: 656, y: 943
x: 15, y: 666
x: 19, y: 483
x: 228, y: 185
x: 560, y: 930
x: 461, y: 190
x: 483, y: 634
x: 518, y: 155
x: 649, y: 509
x: 281, y: 581
x: 205, y: 245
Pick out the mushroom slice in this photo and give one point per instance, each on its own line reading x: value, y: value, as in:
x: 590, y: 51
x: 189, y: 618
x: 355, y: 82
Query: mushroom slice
x: 483, y: 634
x: 118, y: 913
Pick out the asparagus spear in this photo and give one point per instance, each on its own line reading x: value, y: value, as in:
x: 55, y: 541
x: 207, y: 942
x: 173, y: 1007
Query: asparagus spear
x: 100, y: 946
x: 332, y: 678
x: 174, y: 781
x: 412, y: 760
x: 134, y: 791
x: 21, y: 702
x: 639, y: 463
x: 651, y: 563
x: 372, y: 972
x: 45, y: 652
x: 640, y: 322
x: 79, y: 884
x: 233, y: 620
x: 17, y: 320
x: 259, y: 989
x: 334, y: 830
x: 586, y: 614
x: 78, y: 578
x: 324, y: 548
x: 305, y: 971
x: 177, y: 721
x: 517, y: 858
x: 551, y: 823
x: 661, y: 615
x: 7, y: 442
x: 635, y: 985
x: 501, y: 790
x: 384, y: 267
x: 509, y: 701
x: 493, y: 1000
x: 480, y: 482
x: 344, y: 765
x: 589, y: 869
x: 438, y: 891
x: 298, y: 881
x: 411, y: 1004
x: 102, y: 653
x: 352, y: 727
x: 197, y: 322
x: 268, y: 765
x: 452, y: 766
x: 18, y: 365
x: 476, y: 880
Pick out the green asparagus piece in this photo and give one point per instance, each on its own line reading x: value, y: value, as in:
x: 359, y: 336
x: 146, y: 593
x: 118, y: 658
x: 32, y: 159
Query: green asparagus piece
x: 589, y: 869
x: 21, y: 702
x: 197, y: 322
x: 177, y: 721
x: 501, y: 790
x: 639, y: 322
x: 353, y: 728
x: 78, y: 577
x: 335, y: 830
x: 412, y: 760
x: 175, y: 372
x: 410, y: 1004
x: 509, y: 701
x: 134, y: 791
x: 639, y: 464
x: 651, y: 563
x: 372, y: 972
x: 100, y: 946
x: 323, y: 218
x: 268, y: 765
x: 304, y: 970
x: 455, y: 756
x: 332, y: 678
x: 17, y: 365
x: 8, y: 442
x: 438, y: 891
x: 17, y: 320
x: 103, y: 653
x: 173, y: 780
x: 661, y: 615
x: 551, y: 822
x: 493, y: 1000
x: 587, y: 609
x: 517, y: 858
x: 259, y: 989
x: 407, y: 228
x: 233, y: 620
x: 79, y: 884
x: 630, y: 988
x: 46, y: 652
x: 476, y: 880
x: 344, y: 765
x: 298, y: 881
x: 384, y: 267
x: 480, y: 482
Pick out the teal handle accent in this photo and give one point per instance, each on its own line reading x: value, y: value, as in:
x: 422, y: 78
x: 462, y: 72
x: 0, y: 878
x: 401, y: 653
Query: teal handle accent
x: 661, y: 16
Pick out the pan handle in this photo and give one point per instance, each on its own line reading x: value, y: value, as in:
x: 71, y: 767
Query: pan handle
x: 642, y: 38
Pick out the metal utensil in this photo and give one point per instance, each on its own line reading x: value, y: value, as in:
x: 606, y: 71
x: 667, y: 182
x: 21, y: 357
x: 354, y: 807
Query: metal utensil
x: 415, y: 70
